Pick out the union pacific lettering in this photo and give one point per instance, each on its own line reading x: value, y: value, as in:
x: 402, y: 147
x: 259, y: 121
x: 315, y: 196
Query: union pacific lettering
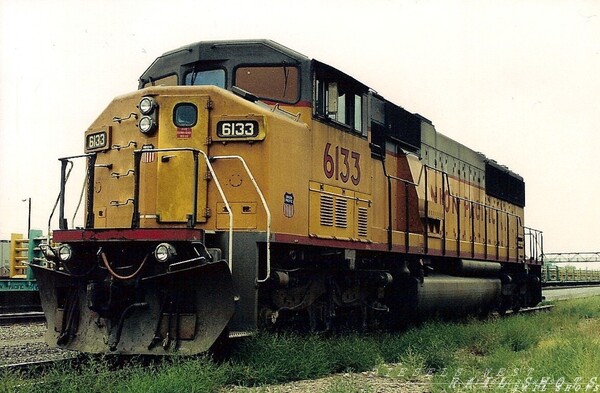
x: 452, y: 203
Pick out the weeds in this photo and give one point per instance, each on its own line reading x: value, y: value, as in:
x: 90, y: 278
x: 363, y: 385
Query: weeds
x: 273, y: 358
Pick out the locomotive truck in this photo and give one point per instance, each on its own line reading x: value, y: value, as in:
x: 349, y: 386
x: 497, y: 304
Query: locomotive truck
x: 245, y: 186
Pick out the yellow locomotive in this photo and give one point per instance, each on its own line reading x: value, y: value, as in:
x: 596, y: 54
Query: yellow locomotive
x: 245, y: 186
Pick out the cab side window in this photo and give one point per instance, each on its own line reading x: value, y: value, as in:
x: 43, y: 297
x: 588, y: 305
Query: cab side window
x: 339, y: 100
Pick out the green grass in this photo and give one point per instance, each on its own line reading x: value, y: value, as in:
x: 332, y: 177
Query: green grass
x: 555, y: 351
x: 551, y: 351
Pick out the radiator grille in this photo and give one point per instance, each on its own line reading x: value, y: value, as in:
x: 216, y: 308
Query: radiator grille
x: 363, y: 221
x: 341, y: 213
x: 326, y: 217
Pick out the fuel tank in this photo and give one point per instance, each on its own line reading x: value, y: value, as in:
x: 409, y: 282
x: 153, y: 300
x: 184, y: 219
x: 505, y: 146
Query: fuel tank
x: 449, y: 295
x: 443, y: 295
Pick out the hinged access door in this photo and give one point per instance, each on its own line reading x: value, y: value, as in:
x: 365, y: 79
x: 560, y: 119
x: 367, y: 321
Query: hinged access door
x: 181, y: 176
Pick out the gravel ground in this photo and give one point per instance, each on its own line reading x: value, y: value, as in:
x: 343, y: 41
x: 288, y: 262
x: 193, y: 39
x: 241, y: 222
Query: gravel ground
x: 367, y: 382
x: 559, y: 293
x: 25, y: 343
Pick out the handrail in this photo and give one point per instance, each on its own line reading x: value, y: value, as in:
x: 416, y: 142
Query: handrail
x: 407, y: 210
x: 137, y: 160
x: 265, y: 205
x: 469, y: 200
x: 486, y: 208
x: 83, y: 186
x: 536, y: 244
x: 446, y: 185
x: 64, y: 177
x: 60, y: 202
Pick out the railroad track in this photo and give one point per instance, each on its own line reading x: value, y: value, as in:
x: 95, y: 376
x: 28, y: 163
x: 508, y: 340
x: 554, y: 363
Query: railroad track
x: 37, y: 367
x: 525, y: 310
x: 76, y: 362
x: 546, y: 307
x: 22, y: 317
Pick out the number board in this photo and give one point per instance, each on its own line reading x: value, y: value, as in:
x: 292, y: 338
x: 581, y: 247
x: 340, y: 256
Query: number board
x: 97, y: 140
x: 237, y: 129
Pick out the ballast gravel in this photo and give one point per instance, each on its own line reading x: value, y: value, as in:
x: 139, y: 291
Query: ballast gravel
x: 367, y: 382
x: 23, y: 343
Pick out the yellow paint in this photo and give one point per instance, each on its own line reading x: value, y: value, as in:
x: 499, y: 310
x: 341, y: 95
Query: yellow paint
x: 244, y: 215
x: 18, y: 255
x: 175, y: 174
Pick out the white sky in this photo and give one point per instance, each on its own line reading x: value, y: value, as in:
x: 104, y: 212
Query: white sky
x: 516, y: 80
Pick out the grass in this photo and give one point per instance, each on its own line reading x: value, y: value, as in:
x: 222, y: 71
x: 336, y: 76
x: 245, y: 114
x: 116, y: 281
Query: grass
x: 553, y: 351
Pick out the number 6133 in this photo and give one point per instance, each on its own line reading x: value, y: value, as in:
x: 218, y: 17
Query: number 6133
x: 341, y: 163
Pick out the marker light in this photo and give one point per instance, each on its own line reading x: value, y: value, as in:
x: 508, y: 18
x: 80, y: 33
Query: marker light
x: 146, y: 125
x: 164, y: 252
x: 65, y: 252
x: 147, y: 105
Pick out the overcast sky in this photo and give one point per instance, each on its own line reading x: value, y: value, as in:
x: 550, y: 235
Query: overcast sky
x: 516, y: 80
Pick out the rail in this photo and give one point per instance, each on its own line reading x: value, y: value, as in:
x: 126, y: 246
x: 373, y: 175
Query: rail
x: 67, y: 166
x: 534, y: 244
x: 486, y: 209
x: 265, y: 206
x: 423, y: 176
x: 64, y: 178
x: 67, y: 162
x: 135, y: 221
x: 22, y: 317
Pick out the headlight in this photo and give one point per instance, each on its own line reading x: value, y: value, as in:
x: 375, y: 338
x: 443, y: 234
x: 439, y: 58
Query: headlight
x: 65, y: 252
x: 146, y: 124
x: 164, y: 252
x: 147, y: 105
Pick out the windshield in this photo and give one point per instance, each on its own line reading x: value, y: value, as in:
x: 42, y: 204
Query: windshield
x: 279, y: 83
x: 207, y: 77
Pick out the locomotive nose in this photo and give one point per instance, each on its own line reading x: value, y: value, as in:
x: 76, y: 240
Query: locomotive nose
x: 187, y: 313
x: 184, y: 310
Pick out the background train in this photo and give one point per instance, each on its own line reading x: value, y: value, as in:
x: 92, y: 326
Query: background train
x: 245, y: 186
x: 18, y: 289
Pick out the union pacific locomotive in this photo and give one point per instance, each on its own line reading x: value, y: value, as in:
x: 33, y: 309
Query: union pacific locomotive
x: 245, y: 186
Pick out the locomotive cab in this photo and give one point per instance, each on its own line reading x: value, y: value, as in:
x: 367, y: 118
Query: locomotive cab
x: 167, y: 183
